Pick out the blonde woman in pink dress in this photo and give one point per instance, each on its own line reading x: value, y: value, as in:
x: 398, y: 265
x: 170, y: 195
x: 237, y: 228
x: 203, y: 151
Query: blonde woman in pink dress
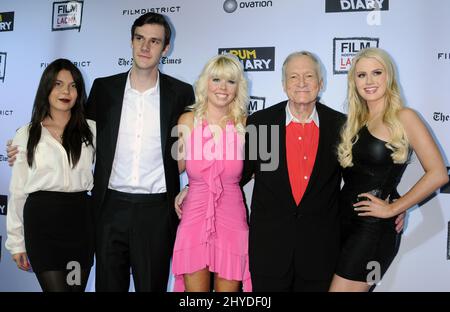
x: 212, y: 236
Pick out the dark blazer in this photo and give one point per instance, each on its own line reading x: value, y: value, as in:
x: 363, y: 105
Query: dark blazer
x: 282, y: 233
x: 104, y: 105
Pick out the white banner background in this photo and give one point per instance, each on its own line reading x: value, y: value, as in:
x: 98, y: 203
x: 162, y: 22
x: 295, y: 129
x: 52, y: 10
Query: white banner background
x: 414, y: 32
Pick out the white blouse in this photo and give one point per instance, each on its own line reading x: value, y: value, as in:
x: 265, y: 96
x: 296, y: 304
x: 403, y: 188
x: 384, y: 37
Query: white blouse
x: 51, y: 171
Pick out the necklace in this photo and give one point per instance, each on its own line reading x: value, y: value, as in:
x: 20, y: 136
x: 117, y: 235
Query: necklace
x: 59, y: 138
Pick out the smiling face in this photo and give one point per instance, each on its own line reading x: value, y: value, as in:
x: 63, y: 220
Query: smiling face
x: 64, y: 93
x: 301, y: 82
x: 148, y: 46
x: 221, y: 91
x: 371, y: 80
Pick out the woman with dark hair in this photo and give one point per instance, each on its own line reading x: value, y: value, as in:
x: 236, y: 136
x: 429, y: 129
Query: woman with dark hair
x: 48, y: 221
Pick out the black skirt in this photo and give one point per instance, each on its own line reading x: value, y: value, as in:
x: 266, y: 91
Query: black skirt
x: 58, y: 229
x: 369, y: 247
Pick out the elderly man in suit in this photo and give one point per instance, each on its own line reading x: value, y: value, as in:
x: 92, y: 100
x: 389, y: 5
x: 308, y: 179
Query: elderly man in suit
x: 294, y: 224
x: 291, y: 153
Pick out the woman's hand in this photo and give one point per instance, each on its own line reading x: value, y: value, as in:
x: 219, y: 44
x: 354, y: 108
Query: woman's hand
x: 179, y: 201
x: 21, y: 261
x: 374, y: 207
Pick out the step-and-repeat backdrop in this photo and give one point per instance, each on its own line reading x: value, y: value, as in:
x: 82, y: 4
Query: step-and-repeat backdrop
x: 95, y: 35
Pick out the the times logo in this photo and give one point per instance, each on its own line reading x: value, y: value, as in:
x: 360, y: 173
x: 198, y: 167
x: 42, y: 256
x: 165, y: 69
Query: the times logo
x: 170, y: 61
x: 256, y: 103
x: 441, y: 117
x: 253, y: 59
x: 3, y: 205
x: 2, y: 66
x: 121, y: 61
x: 67, y: 15
x: 6, y: 21
x: 344, y: 49
x: 338, y: 6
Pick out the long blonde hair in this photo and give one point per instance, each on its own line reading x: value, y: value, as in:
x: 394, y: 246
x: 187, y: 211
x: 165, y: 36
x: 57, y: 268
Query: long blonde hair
x: 224, y: 66
x: 358, y: 112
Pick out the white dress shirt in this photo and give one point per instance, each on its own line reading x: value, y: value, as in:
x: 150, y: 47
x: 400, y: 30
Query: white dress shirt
x: 138, y: 161
x: 314, y: 117
x: 51, y: 171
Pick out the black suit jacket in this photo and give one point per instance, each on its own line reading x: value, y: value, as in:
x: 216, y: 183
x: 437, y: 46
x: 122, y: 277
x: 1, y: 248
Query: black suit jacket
x: 282, y: 233
x: 104, y: 105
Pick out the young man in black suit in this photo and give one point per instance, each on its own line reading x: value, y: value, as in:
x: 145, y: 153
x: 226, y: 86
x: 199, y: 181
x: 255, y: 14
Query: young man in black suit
x: 135, y: 178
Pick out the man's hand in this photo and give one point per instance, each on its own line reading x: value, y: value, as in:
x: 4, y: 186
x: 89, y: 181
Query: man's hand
x: 11, y: 151
x: 179, y: 201
x: 400, y: 222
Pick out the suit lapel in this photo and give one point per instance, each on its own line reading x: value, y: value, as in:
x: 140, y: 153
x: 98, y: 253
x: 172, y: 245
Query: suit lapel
x: 283, y: 155
x: 118, y: 90
x: 165, y: 108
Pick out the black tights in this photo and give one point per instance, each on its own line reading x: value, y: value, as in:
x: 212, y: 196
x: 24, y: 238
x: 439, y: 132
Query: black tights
x: 56, y: 281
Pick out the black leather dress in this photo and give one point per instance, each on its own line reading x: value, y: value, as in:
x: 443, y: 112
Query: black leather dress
x: 369, y: 244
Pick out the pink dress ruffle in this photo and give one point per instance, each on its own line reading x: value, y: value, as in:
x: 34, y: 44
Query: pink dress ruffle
x: 213, y: 231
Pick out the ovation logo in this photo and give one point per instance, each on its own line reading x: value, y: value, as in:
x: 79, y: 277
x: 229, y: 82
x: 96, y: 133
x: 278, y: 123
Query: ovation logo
x: 337, y: 6
x: 230, y: 6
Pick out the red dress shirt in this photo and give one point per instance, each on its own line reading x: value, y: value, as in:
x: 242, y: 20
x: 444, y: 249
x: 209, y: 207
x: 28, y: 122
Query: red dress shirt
x: 302, y: 141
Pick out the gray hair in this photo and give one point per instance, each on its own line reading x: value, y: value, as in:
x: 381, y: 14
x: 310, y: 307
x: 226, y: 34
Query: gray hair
x: 293, y: 55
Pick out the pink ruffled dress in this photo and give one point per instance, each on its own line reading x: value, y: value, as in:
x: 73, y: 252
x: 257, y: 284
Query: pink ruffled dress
x: 213, y: 231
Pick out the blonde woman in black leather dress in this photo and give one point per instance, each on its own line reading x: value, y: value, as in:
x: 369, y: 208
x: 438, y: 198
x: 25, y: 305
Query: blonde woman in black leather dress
x: 376, y: 144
